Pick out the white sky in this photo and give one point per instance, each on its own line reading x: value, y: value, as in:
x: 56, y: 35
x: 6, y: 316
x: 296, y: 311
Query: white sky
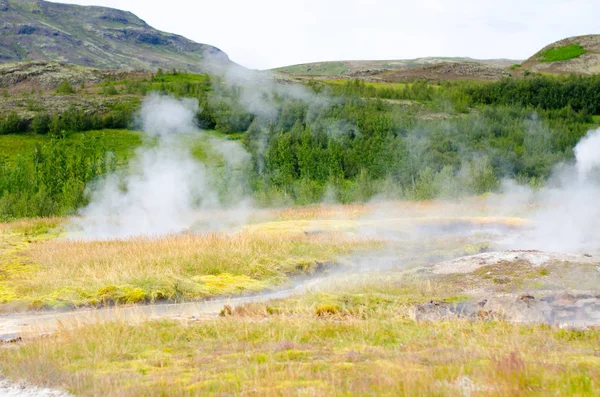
x: 269, y: 33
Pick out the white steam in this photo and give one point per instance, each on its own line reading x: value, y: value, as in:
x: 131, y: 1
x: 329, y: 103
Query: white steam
x: 164, y: 188
x: 568, y: 217
x: 165, y: 117
x: 587, y: 153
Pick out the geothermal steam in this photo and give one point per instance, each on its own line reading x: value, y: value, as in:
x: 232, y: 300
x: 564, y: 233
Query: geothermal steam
x: 569, y: 214
x: 163, y: 187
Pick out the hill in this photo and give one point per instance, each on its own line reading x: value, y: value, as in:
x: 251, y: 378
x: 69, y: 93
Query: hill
x: 99, y: 37
x: 577, y: 55
x: 403, y: 69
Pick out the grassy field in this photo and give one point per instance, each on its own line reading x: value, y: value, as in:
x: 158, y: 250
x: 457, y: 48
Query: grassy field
x: 357, y: 339
x: 563, y: 53
x: 121, y: 142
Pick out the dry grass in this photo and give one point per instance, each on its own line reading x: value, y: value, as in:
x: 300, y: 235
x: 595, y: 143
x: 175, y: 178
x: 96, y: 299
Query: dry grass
x: 177, y: 267
x: 354, y: 340
x: 480, y: 206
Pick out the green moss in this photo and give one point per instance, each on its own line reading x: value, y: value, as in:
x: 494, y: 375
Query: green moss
x: 7, y: 294
x: 225, y: 284
x: 458, y: 299
x: 327, y: 310
x: 134, y: 295
x: 125, y: 294
x: 562, y: 53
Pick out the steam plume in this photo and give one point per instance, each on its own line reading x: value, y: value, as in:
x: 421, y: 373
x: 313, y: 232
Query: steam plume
x: 569, y: 213
x: 164, y: 186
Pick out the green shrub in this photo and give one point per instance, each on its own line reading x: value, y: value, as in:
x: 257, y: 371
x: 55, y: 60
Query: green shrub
x: 12, y: 124
x: 65, y: 88
x: 41, y: 123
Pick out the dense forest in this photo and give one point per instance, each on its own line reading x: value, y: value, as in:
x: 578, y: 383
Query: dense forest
x: 341, y: 140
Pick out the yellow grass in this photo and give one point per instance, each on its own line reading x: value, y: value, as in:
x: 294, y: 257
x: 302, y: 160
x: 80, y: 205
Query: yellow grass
x: 176, y: 267
x: 480, y: 206
x: 391, y: 224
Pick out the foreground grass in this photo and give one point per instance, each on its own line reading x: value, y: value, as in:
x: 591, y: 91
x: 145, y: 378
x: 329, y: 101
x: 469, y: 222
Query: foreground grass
x: 38, y: 270
x: 351, y: 341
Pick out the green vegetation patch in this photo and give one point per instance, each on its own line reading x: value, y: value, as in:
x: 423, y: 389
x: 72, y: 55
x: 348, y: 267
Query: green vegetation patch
x: 563, y: 53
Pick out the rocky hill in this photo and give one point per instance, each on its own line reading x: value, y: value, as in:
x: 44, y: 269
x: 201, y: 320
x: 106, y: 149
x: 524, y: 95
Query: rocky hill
x: 445, y: 71
x: 100, y: 37
x: 577, y: 55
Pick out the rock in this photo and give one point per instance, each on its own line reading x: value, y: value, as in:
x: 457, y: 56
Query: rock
x: 565, y: 304
x: 587, y: 302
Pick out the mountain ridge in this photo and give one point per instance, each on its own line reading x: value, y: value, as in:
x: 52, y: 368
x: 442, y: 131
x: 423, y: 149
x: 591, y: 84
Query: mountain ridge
x: 99, y: 37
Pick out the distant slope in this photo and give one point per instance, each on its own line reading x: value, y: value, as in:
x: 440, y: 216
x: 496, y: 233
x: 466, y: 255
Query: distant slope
x: 100, y: 37
x: 578, y: 55
x: 357, y: 68
x: 444, y: 71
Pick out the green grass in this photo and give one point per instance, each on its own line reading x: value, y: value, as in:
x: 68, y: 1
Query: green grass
x: 121, y: 142
x: 563, y: 53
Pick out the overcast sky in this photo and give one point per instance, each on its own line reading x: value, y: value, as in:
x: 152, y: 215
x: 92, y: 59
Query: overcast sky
x: 269, y: 33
